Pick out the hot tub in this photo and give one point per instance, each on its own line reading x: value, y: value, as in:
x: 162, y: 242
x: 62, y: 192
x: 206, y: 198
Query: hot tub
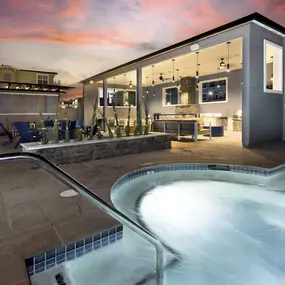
x: 225, y: 224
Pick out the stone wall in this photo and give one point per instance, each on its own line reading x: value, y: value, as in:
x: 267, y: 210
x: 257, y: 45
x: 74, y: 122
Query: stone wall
x: 187, y: 90
x: 97, y: 149
x: 187, y: 109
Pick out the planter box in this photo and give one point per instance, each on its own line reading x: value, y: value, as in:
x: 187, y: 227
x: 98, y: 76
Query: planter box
x: 79, y: 151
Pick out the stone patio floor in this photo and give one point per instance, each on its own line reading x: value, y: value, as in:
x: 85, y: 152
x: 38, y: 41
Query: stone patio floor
x: 34, y: 217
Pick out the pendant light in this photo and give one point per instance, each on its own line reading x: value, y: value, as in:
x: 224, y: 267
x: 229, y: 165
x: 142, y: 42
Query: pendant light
x: 153, y: 75
x: 228, y: 65
x: 147, y: 85
x: 173, y: 78
x: 177, y: 71
x: 153, y: 80
x: 222, y: 63
x: 218, y: 78
x: 198, y: 81
x: 143, y: 93
x: 114, y: 85
x: 125, y: 83
x: 197, y: 71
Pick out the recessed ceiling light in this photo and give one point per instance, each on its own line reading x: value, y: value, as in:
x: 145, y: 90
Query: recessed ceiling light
x: 68, y: 193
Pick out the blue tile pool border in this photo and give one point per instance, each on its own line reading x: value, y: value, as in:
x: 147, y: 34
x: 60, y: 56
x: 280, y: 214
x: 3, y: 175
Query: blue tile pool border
x: 194, y: 167
x: 44, y: 261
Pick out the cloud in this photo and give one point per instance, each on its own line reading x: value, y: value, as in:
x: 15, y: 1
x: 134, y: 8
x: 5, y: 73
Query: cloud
x: 83, y: 37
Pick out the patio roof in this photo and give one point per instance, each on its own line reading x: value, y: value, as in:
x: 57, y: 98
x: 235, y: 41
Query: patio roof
x: 252, y: 17
x: 21, y: 87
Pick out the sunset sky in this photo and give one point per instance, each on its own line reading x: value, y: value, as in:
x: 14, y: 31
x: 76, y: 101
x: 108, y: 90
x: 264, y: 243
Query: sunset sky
x: 79, y: 38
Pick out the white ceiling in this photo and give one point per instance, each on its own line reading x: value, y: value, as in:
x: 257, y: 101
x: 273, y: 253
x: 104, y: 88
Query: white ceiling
x: 209, y: 60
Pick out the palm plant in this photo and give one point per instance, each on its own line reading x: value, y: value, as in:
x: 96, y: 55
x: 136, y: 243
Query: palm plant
x: 67, y: 137
x: 118, y: 130
x: 146, y: 130
x: 106, y: 122
x: 56, y: 122
x: 93, y: 119
x: 42, y: 126
x: 139, y: 120
x: 128, y: 122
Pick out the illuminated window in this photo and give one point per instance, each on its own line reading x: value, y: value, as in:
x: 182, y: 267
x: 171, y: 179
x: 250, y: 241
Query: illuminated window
x: 273, y: 67
x: 213, y: 91
x: 170, y: 96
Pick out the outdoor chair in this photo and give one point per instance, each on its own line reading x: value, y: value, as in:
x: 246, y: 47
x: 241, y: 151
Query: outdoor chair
x: 48, y: 123
x: 95, y: 132
x: 10, y: 137
x: 26, y: 133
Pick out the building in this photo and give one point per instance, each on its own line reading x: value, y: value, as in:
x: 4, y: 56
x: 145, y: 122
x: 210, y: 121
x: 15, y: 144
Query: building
x: 25, y: 93
x: 234, y: 69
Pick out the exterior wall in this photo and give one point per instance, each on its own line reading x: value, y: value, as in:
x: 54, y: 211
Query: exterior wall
x: 227, y: 108
x: 14, y: 74
x: 15, y: 108
x: 262, y: 111
x: 233, y: 103
x: 23, y: 76
x: 31, y: 77
x: 24, y: 107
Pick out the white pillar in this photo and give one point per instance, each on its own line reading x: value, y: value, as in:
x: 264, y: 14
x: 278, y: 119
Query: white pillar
x: 139, y: 87
x: 105, y: 93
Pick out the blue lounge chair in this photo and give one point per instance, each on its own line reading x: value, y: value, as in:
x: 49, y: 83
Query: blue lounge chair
x: 27, y: 135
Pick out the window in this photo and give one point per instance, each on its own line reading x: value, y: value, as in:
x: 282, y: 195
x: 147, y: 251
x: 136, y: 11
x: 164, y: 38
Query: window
x: 273, y: 67
x: 42, y: 79
x: 171, y: 96
x: 120, y: 97
x: 213, y: 91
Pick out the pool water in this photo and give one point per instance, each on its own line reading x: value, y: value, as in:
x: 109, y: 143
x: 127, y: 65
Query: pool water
x: 224, y: 233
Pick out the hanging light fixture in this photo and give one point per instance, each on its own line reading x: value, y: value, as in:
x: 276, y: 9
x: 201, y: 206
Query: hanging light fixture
x: 228, y: 65
x: 222, y: 63
x: 153, y: 93
x: 125, y: 82
x: 114, y: 85
x: 131, y: 84
x: 153, y: 75
x: 147, y: 85
x: 143, y: 93
x: 218, y: 78
x: 198, y: 81
x: 177, y: 71
x: 197, y: 71
x: 173, y: 78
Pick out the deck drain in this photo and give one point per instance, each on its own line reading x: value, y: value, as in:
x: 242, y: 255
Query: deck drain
x: 68, y: 193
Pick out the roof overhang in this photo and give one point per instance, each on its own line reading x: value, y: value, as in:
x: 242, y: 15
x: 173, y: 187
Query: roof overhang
x: 255, y: 17
x: 20, y: 88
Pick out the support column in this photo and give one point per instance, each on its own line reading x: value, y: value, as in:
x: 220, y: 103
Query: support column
x: 139, y: 93
x: 105, y: 94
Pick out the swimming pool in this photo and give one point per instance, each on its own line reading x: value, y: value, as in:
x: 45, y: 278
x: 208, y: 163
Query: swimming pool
x: 222, y: 223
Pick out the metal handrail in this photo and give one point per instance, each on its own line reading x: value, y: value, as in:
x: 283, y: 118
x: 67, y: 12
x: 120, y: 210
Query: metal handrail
x: 101, y: 204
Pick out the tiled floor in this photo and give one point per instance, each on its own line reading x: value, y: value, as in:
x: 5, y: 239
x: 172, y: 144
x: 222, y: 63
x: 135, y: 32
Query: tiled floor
x: 34, y: 218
